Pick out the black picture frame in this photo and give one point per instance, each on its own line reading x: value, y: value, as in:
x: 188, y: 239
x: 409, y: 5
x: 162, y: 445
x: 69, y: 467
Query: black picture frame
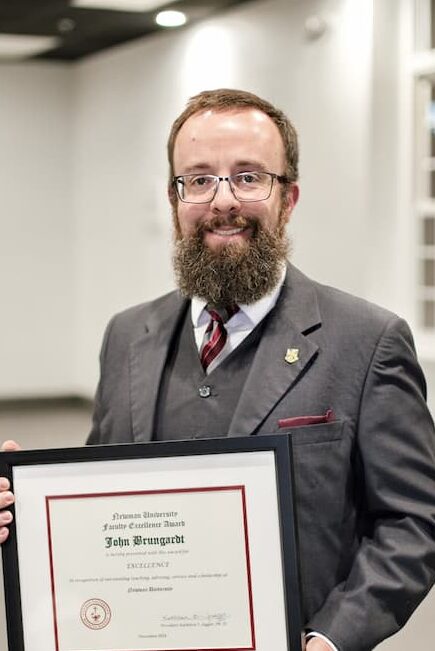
x: 280, y: 445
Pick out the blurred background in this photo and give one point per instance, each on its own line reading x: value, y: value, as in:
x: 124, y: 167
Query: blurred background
x: 88, y: 91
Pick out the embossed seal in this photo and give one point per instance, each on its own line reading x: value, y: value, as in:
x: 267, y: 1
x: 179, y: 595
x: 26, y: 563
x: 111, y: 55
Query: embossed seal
x: 95, y: 613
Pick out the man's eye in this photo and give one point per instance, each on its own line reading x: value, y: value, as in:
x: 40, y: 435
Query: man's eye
x: 200, y: 181
x: 248, y: 178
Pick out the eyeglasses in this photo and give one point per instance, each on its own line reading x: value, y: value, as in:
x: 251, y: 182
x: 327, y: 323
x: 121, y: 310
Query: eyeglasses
x: 245, y: 186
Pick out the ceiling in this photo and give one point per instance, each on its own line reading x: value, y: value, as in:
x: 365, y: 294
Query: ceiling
x: 83, y: 31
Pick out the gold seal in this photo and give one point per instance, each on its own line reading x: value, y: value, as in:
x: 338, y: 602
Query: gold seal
x: 292, y: 355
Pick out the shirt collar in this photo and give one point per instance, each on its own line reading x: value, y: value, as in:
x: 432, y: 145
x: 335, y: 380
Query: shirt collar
x: 255, y: 312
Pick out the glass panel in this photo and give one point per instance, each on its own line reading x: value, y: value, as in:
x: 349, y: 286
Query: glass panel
x: 429, y: 273
x: 431, y: 120
x: 423, y: 143
x: 426, y: 141
x: 429, y: 231
x: 429, y: 314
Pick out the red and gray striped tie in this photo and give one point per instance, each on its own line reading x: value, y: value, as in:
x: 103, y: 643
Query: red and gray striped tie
x: 216, y: 334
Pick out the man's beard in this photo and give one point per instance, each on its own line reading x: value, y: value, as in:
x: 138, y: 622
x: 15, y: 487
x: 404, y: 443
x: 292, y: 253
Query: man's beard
x: 237, y: 272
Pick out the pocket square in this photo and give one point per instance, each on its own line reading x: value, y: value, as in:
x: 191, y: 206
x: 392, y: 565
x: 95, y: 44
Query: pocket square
x: 299, y: 421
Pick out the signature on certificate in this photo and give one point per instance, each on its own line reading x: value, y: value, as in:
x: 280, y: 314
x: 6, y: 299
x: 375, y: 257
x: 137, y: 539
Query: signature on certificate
x: 196, y: 618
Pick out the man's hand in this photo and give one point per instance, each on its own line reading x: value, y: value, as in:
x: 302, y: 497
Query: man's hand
x: 6, y: 497
x: 317, y: 644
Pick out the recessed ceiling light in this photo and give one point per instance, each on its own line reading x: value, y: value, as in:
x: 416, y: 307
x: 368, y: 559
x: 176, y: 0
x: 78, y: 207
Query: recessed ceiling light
x: 170, y: 18
x: 120, y: 5
x: 17, y: 46
x: 65, y: 25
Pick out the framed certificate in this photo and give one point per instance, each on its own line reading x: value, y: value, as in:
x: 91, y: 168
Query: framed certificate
x: 179, y: 546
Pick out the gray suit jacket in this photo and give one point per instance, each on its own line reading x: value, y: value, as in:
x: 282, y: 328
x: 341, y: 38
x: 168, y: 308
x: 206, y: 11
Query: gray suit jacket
x: 365, y: 481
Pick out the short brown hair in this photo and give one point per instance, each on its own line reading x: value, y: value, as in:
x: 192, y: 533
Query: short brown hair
x: 226, y: 99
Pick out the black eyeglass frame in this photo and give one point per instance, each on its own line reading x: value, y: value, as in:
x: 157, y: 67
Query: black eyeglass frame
x: 178, y: 179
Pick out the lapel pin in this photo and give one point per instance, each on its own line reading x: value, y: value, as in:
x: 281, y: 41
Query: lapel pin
x: 292, y: 355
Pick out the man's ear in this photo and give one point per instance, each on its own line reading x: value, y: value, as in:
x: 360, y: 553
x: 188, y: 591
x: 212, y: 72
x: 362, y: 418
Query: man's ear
x: 172, y: 195
x: 173, y: 200
x: 290, y: 199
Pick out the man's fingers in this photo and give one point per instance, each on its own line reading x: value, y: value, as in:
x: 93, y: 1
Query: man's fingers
x: 5, y: 518
x: 6, y: 499
x: 4, y: 533
x: 6, y: 496
x: 10, y: 446
x: 4, y: 484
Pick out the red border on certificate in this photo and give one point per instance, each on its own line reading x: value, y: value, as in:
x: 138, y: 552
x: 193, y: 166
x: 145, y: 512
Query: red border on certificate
x: 202, y: 489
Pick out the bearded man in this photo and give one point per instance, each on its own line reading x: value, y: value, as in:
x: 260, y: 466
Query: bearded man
x: 248, y: 345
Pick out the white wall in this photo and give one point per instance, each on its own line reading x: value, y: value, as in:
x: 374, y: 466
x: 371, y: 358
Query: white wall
x: 122, y: 216
x: 126, y: 100
x: 36, y: 226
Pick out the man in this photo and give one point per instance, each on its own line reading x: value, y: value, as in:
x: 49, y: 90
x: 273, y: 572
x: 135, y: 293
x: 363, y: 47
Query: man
x: 249, y: 346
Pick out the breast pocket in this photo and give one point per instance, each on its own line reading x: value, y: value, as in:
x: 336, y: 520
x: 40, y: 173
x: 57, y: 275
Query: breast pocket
x: 317, y: 433
x: 323, y: 473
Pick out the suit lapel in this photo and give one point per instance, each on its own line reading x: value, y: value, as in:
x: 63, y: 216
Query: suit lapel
x: 271, y: 376
x: 147, y: 359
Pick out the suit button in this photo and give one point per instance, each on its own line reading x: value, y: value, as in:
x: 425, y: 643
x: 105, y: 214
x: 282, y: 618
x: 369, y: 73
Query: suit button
x: 204, y: 391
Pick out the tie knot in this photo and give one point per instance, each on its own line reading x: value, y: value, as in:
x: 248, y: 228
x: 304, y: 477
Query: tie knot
x: 222, y: 314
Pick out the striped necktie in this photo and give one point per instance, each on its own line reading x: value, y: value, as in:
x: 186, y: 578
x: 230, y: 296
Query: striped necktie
x: 215, y: 334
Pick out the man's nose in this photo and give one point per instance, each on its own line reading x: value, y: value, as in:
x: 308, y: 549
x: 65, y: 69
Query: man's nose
x: 224, y: 199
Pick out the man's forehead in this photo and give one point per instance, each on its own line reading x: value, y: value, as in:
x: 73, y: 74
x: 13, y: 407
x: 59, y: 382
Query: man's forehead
x: 228, y: 116
x: 246, y: 129
x: 219, y: 140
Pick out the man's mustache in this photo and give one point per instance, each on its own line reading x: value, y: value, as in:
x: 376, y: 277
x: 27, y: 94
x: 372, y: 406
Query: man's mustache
x: 236, y: 221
